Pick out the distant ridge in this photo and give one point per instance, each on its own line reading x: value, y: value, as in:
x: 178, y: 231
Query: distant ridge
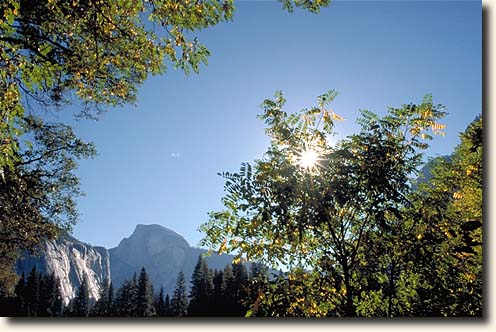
x: 160, y: 250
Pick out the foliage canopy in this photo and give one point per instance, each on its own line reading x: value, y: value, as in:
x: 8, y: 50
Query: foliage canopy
x: 99, y: 52
x: 38, y: 193
x: 345, y: 228
x: 55, y: 52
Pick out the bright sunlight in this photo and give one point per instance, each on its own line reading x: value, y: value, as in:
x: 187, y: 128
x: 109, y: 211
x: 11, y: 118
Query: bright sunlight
x: 308, y: 159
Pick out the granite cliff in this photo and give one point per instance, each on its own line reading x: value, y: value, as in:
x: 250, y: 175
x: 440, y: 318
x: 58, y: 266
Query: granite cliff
x: 71, y: 260
x: 161, y: 251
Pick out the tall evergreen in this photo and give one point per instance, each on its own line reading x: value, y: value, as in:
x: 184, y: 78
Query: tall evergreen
x: 228, y: 302
x: 238, y: 290
x: 160, y: 303
x: 38, y: 296
x: 144, y: 296
x: 58, y: 305
x: 180, y: 299
x: 201, y: 289
x: 123, y: 306
x: 19, y: 302
x: 103, y: 307
x: 167, y: 307
x: 50, y: 302
x: 218, y: 295
x: 32, y: 293
x: 80, y: 306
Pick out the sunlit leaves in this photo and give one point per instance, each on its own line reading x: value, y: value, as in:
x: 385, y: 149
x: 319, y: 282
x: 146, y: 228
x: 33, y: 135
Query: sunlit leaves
x: 98, y: 51
x: 451, y: 218
x: 38, y: 192
x: 312, y: 6
x: 348, y: 223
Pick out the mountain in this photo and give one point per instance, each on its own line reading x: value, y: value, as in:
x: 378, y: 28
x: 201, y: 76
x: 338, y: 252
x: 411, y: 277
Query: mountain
x: 162, y: 252
x: 425, y: 174
x: 70, y: 260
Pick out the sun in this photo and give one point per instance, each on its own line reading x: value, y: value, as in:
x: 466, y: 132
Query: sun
x: 308, y: 159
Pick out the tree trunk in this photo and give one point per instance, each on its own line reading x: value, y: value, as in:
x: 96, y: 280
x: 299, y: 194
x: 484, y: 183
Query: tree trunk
x: 350, y: 308
x: 391, y: 291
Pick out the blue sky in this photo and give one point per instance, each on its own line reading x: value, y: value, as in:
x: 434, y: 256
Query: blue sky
x: 158, y: 161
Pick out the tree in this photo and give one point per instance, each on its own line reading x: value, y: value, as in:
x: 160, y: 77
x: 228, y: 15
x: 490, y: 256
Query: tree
x: 258, y: 285
x: 160, y: 308
x: 317, y: 208
x: 201, y: 289
x: 38, y: 297
x: 219, y: 294
x: 124, y: 303
x: 449, y: 232
x: 50, y: 303
x: 226, y: 291
x: 103, y: 307
x: 14, y: 305
x: 38, y: 193
x: 144, y: 296
x: 20, y: 296
x: 32, y: 293
x: 237, y: 289
x: 98, y: 51
x: 80, y: 305
x: 312, y: 6
x: 167, y: 306
x: 179, y: 302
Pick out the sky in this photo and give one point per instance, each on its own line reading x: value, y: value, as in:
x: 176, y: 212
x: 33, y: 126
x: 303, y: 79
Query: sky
x: 158, y: 160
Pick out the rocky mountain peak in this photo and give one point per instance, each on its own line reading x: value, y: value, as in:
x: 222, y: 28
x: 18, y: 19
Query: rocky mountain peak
x: 160, y: 250
x: 149, y: 240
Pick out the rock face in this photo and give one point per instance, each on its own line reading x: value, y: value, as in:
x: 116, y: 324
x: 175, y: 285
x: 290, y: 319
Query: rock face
x: 70, y: 260
x: 162, y: 252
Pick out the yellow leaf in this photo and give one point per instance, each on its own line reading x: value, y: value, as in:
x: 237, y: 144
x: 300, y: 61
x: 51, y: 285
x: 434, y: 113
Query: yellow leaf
x: 337, y: 117
x: 222, y: 246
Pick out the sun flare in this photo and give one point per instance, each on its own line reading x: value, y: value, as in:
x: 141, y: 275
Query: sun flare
x: 308, y: 159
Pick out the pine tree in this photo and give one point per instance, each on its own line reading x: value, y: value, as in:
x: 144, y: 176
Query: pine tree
x: 239, y: 289
x: 123, y: 306
x: 58, y: 305
x: 20, y: 297
x: 228, y: 302
x: 81, y: 304
x: 209, y: 286
x: 160, y: 303
x: 167, y: 307
x: 180, y: 299
x: 103, y: 306
x: 218, y: 293
x: 144, y: 296
x: 50, y: 297
x: 201, y: 289
x: 32, y: 294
